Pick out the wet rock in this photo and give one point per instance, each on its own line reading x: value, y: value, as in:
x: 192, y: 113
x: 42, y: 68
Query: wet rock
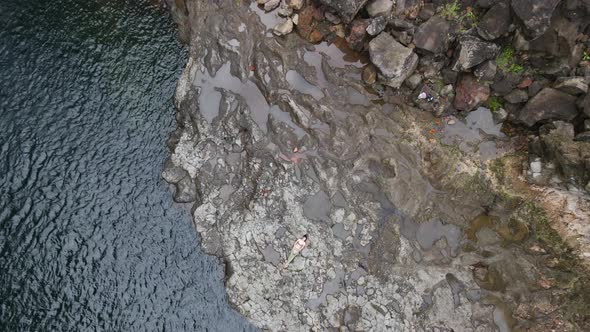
x: 535, y: 15
x: 495, y: 22
x: 284, y: 28
x: 271, y: 5
x: 394, y: 61
x: 433, y: 35
x: 517, y: 96
x: 186, y: 191
x: 379, y: 7
x: 572, y: 85
x: 473, y: 51
x: 486, y: 71
x: 172, y: 173
x: 549, y: 104
x: 346, y: 8
x: 369, y: 74
x: 469, y: 93
x: 377, y: 25
x: 358, y: 33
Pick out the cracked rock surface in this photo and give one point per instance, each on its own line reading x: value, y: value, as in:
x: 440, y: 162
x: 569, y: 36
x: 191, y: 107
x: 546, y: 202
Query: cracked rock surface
x: 280, y: 138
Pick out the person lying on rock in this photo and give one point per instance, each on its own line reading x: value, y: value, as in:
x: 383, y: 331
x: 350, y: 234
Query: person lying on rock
x: 297, y: 247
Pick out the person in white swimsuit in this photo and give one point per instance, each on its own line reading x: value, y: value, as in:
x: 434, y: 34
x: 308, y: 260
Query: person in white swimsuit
x: 297, y: 247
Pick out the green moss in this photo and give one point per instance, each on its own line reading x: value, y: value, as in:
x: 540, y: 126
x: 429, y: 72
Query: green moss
x: 507, y: 61
x: 494, y: 103
x: 451, y: 10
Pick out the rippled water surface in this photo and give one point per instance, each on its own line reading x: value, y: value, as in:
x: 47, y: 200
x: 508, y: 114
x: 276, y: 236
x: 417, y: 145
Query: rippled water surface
x: 89, y: 237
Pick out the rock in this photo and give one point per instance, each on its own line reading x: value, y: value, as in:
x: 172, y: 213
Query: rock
x: 413, y: 81
x: 536, y: 166
x: 583, y: 137
x: 408, y: 8
x: 447, y: 90
x: 379, y: 7
x: 549, y: 104
x: 469, y: 93
x: 500, y: 115
x: 172, y: 173
x: 449, y: 76
x: 186, y: 191
x: 261, y: 2
x: 401, y: 24
x: 377, y: 25
x: 285, y: 10
x: 395, y: 61
x: 561, y: 128
x: 332, y: 18
x: 586, y: 104
x: 358, y: 33
x: 486, y: 71
x: 473, y: 51
x: 485, y: 3
x: 427, y: 11
x: 284, y: 28
x: 295, y: 4
x: 271, y: 4
x: 295, y: 19
x: 495, y: 22
x: 433, y: 35
x: 517, y: 96
x: 369, y: 74
x: 346, y: 8
x: 535, y: 15
x: 587, y: 124
x: 572, y: 85
x: 571, y: 157
x: 315, y: 37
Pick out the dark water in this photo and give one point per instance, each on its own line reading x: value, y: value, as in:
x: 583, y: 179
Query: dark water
x: 89, y: 237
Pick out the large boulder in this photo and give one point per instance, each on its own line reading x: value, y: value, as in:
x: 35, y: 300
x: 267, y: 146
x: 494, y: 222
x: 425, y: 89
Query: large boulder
x: 549, y: 104
x: 347, y: 9
x: 495, y: 22
x: 470, y: 93
x: 535, y: 15
x: 572, y: 158
x: 473, y: 51
x: 395, y: 61
x: 433, y: 35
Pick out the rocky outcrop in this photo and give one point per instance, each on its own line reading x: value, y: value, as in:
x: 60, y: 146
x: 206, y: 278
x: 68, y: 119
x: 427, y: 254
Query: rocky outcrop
x: 549, y: 104
x: 395, y: 61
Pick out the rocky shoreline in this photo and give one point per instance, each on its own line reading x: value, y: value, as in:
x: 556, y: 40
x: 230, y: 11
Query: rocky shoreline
x: 437, y: 153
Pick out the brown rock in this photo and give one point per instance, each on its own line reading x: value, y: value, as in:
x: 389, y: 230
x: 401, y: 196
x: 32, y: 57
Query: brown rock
x: 315, y: 37
x: 469, y: 93
x: 358, y: 33
x: 305, y: 21
x: 369, y: 74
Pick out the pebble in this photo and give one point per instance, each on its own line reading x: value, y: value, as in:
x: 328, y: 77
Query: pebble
x: 451, y: 122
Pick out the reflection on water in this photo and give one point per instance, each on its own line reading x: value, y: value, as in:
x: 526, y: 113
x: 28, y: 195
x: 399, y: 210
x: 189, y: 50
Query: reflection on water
x: 89, y: 237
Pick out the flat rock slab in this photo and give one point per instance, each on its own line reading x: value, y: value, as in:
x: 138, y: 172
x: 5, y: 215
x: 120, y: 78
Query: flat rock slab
x: 347, y: 9
x: 395, y: 61
x: 549, y: 104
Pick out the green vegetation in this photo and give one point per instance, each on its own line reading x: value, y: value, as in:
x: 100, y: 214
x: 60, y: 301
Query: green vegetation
x: 452, y: 12
x: 586, y: 56
x: 507, y: 62
x: 494, y: 103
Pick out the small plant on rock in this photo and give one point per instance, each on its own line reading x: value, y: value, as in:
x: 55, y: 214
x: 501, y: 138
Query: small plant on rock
x: 494, y: 103
x: 586, y: 56
x: 451, y: 10
x: 507, y: 62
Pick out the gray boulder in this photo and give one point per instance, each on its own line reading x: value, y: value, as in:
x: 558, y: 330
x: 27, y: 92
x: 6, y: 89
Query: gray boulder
x: 535, y: 15
x: 172, y: 173
x: 379, y: 7
x: 473, y: 51
x: 495, y: 22
x: 433, y: 35
x: 347, y: 9
x: 549, y: 104
x: 395, y: 61
x: 186, y: 191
